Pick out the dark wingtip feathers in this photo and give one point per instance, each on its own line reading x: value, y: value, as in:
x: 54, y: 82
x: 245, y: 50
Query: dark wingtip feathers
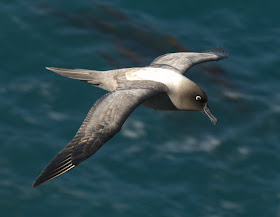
x: 219, y: 51
x: 60, y: 164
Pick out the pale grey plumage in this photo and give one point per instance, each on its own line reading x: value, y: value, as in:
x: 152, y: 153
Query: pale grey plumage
x: 184, y: 60
x: 160, y: 86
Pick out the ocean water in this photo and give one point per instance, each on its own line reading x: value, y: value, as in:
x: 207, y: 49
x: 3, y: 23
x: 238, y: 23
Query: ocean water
x: 161, y: 163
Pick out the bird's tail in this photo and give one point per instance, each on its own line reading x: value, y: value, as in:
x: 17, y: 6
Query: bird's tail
x: 79, y: 74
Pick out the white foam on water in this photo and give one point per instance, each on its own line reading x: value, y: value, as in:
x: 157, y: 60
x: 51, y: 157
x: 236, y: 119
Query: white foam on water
x: 244, y: 150
x: 3, y: 90
x: 190, y: 144
x: 133, y: 129
x: 57, y: 116
x: 229, y: 205
x: 234, y: 95
x: 44, y: 88
x: 274, y: 104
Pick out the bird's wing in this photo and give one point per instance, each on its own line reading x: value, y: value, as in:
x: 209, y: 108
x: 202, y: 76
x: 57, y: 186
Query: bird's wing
x: 103, y: 121
x: 184, y: 60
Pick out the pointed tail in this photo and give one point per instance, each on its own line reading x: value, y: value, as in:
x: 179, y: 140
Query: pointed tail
x: 79, y: 74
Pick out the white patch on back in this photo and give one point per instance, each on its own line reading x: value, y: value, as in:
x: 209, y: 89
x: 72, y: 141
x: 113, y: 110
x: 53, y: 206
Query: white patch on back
x: 165, y: 76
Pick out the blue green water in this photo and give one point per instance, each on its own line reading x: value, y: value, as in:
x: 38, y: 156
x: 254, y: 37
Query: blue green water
x: 161, y: 163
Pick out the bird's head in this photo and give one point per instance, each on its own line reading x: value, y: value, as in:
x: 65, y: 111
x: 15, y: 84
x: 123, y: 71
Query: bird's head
x: 191, y: 97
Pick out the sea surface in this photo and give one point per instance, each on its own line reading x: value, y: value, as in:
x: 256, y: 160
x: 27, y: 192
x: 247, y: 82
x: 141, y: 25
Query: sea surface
x: 167, y: 164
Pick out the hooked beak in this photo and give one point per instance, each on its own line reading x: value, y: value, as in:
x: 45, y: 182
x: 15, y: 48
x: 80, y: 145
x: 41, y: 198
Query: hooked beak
x: 208, y: 113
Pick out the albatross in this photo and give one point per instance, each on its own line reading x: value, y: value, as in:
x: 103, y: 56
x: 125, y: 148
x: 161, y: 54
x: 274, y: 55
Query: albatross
x: 161, y: 86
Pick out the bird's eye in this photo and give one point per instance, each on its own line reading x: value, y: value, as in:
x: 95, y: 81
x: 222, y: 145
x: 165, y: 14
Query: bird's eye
x: 198, y: 98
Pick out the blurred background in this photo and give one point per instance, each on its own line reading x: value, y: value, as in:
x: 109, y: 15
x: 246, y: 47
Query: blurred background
x: 161, y: 163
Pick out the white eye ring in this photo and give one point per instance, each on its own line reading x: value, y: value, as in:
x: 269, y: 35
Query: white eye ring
x: 198, y: 98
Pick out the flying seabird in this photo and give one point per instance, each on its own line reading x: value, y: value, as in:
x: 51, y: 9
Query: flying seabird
x: 161, y: 85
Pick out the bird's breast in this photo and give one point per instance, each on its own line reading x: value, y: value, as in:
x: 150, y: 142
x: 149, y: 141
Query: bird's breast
x: 160, y: 102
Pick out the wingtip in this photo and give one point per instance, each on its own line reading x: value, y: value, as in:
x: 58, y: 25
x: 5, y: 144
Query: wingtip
x: 59, y: 165
x: 45, y: 176
x: 220, y: 51
x: 34, y: 185
x: 37, y: 182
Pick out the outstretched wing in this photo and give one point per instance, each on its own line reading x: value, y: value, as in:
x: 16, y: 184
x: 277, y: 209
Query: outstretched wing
x: 103, y: 121
x: 184, y: 60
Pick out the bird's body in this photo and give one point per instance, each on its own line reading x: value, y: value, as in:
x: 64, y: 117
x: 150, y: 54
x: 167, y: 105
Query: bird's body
x: 161, y: 85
